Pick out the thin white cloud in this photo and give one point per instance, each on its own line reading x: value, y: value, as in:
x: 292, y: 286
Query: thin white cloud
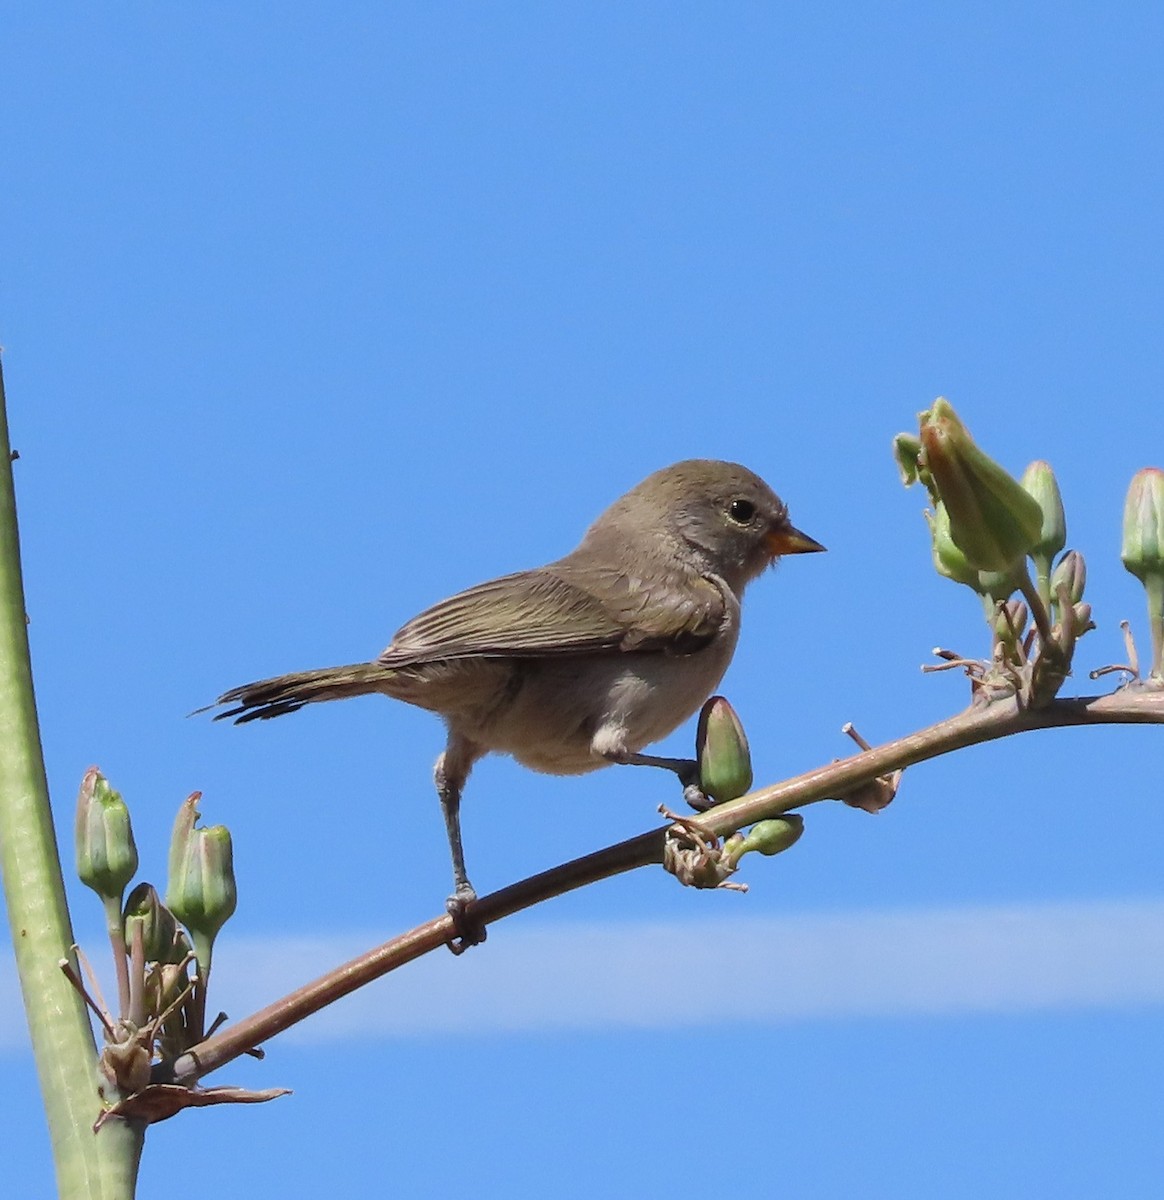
x: 746, y: 970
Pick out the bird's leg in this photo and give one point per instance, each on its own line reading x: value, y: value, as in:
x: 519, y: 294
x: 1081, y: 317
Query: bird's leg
x: 452, y: 769
x: 686, y: 768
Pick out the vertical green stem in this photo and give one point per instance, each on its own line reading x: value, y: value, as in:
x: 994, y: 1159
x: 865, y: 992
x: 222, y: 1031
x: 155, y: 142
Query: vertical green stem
x: 87, y: 1165
x: 1039, y: 611
x: 137, y: 963
x: 116, y: 926
x: 1154, y: 584
x: 1043, y: 580
x: 203, y: 951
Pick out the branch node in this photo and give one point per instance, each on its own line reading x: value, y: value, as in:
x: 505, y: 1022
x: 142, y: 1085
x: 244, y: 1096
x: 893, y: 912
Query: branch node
x: 694, y: 856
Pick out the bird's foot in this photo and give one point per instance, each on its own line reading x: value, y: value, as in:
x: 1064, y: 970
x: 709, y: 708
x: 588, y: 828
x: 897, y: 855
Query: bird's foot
x: 693, y: 792
x: 697, y: 798
x: 469, y: 931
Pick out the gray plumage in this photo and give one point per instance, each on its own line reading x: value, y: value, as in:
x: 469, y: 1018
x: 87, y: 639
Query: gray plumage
x: 583, y: 662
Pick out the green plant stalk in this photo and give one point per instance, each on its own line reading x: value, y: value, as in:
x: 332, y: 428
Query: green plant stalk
x: 203, y: 954
x: 93, y: 1167
x: 115, y: 921
x: 1154, y: 585
x: 1040, y: 611
x: 1043, y: 579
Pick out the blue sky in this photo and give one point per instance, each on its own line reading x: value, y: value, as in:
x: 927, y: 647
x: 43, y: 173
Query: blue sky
x: 313, y: 316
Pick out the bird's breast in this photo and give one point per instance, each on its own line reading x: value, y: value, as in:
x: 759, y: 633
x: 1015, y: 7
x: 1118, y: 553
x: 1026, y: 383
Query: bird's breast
x: 568, y: 710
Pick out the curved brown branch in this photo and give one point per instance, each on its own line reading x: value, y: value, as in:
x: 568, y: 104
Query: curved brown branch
x: 1129, y: 706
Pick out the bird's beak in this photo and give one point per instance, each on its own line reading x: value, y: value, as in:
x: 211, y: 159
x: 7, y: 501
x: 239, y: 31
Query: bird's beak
x: 785, y: 539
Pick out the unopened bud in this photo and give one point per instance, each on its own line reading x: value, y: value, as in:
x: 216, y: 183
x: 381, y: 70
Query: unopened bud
x: 1143, y: 545
x: 106, y: 853
x: 994, y: 521
x: 1070, y: 572
x: 1039, y: 480
x: 775, y: 835
x: 201, y: 891
x: 160, y: 935
x: 1010, y: 622
x: 725, y: 763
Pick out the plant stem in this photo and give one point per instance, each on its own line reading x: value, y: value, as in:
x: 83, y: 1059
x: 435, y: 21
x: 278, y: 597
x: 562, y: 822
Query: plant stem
x: 1154, y: 584
x: 1040, y: 612
x: 62, y: 1041
x: 116, y: 927
x: 1043, y: 579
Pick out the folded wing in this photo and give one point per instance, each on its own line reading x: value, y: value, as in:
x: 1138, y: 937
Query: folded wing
x: 562, y: 610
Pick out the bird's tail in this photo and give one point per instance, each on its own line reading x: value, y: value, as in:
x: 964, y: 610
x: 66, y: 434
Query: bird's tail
x: 286, y: 693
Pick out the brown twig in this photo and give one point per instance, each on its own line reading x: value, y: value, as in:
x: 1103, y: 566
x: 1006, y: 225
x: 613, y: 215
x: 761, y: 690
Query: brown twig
x: 1129, y: 705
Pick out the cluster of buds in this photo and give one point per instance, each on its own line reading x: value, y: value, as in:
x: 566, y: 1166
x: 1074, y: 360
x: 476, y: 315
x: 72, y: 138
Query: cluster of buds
x: 162, y: 969
x: 987, y: 531
x: 725, y: 773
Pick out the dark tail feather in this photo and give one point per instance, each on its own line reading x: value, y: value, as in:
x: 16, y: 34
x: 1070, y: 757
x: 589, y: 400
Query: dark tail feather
x: 286, y: 693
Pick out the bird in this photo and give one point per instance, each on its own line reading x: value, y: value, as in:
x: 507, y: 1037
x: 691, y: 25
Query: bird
x: 582, y: 663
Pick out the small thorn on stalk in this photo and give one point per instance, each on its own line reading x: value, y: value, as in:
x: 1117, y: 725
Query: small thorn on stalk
x: 850, y: 730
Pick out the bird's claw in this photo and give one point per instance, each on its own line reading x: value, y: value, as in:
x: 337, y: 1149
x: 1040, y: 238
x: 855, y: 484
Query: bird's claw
x: 696, y: 797
x: 693, y: 792
x: 468, y: 930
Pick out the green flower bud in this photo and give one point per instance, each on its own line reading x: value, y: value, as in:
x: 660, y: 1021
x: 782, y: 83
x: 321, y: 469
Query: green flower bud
x: 1143, y: 548
x: 1010, y: 622
x: 1039, y: 480
x: 160, y: 935
x: 1070, y: 572
x: 775, y: 835
x: 994, y: 521
x: 948, y: 559
x: 106, y: 854
x: 201, y: 891
x: 725, y: 763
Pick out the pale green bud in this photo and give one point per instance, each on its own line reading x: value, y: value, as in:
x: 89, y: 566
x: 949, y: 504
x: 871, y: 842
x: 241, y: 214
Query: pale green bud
x: 106, y: 853
x: 1143, y: 545
x: 1010, y: 622
x: 201, y: 890
x: 1070, y: 572
x: 994, y: 521
x: 1039, y: 480
x: 721, y: 747
x: 161, y: 939
x: 775, y: 835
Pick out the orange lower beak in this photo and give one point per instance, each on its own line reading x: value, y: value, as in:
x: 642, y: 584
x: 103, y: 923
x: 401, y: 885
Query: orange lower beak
x: 785, y: 539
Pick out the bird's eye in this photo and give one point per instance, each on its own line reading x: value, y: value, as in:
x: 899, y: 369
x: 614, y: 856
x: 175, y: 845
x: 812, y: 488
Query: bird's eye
x: 741, y: 511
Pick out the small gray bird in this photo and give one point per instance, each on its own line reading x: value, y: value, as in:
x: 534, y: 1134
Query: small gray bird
x: 581, y: 663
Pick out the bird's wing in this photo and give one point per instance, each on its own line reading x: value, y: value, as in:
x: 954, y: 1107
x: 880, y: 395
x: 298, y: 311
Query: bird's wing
x: 546, y: 612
